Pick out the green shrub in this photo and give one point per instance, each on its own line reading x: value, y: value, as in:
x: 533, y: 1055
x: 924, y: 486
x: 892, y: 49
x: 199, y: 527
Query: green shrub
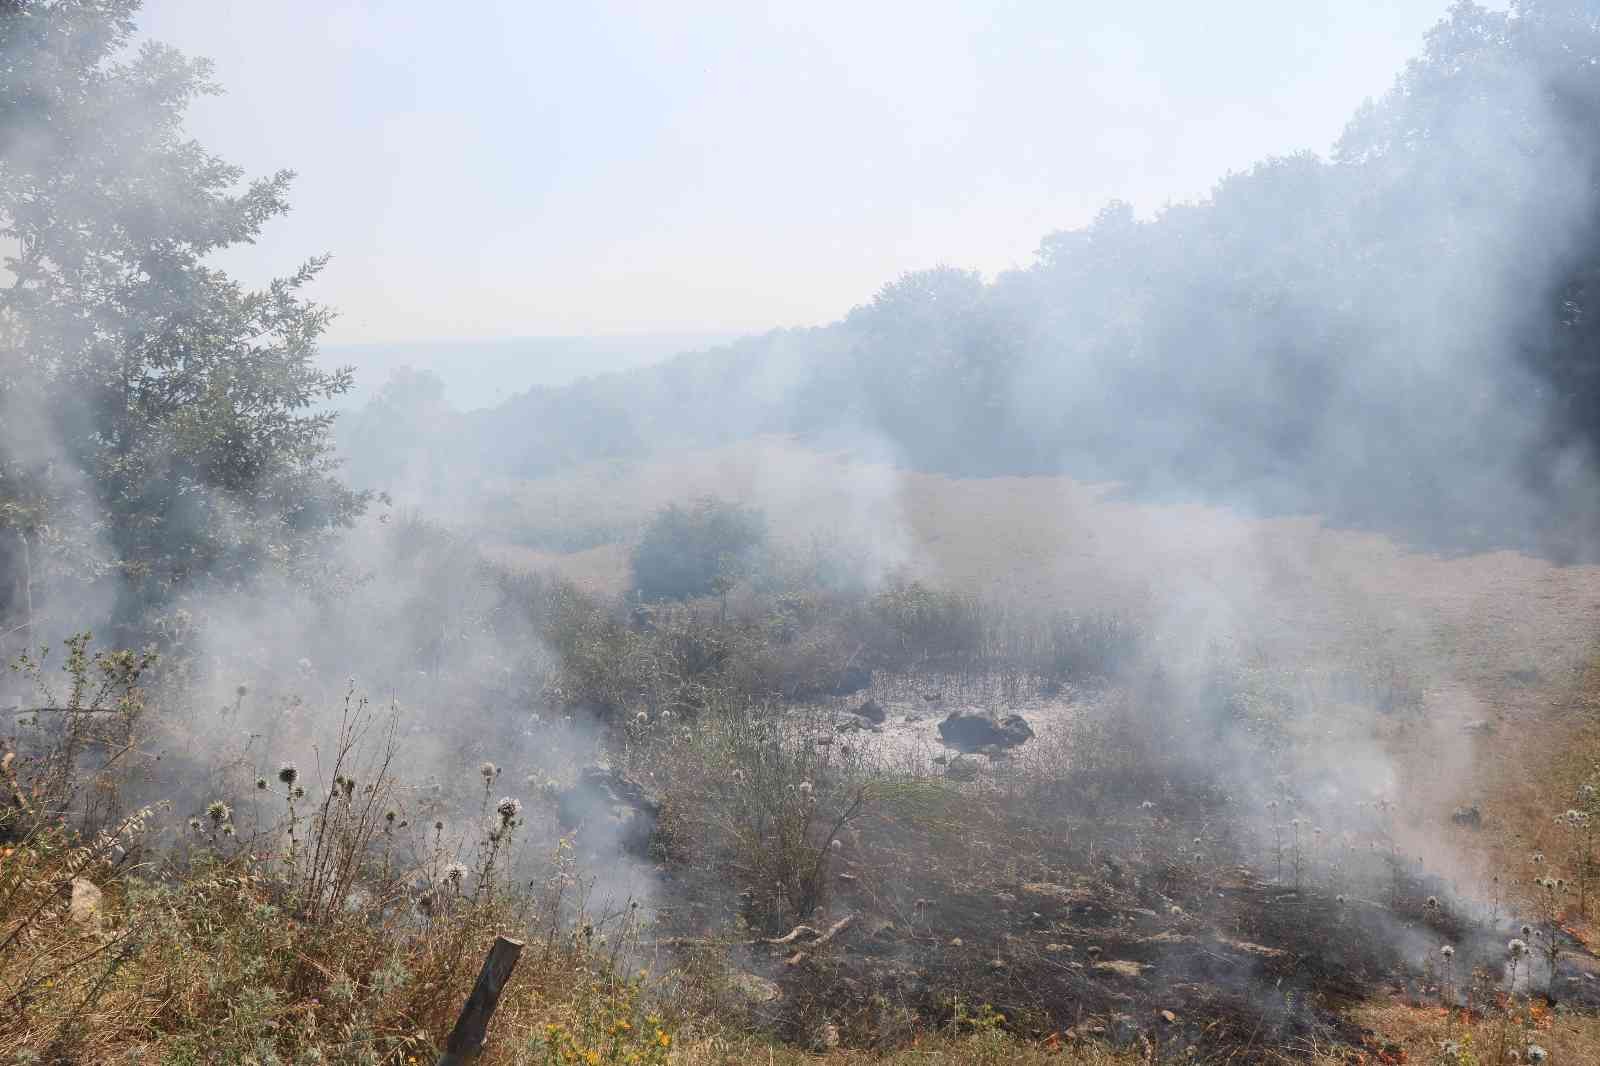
x: 697, y: 550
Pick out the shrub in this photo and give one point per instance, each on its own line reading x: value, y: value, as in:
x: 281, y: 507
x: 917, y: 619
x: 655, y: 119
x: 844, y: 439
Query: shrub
x: 930, y: 623
x: 697, y: 550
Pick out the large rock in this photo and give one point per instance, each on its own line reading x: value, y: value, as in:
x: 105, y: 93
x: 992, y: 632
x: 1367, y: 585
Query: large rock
x: 609, y: 809
x: 872, y: 711
x: 973, y: 729
x: 84, y: 906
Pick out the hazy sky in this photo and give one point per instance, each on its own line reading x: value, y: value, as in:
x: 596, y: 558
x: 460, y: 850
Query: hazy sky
x: 520, y: 167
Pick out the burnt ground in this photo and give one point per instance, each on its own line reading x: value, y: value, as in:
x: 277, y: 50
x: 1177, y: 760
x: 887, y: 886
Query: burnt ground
x: 1078, y: 910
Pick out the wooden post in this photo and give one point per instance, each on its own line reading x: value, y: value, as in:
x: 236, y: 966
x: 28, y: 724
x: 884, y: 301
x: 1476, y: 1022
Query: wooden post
x: 467, y: 1038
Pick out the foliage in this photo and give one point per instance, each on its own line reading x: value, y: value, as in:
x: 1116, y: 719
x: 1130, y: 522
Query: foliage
x: 1426, y: 293
x: 697, y: 550
x: 159, y: 418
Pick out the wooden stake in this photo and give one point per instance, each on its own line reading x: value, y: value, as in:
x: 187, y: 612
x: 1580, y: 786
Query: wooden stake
x: 467, y: 1038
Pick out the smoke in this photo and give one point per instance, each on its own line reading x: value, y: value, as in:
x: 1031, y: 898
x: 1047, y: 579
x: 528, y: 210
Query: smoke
x: 1298, y: 395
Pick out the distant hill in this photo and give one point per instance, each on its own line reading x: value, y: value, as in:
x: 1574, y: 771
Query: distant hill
x: 484, y: 373
x: 1405, y: 335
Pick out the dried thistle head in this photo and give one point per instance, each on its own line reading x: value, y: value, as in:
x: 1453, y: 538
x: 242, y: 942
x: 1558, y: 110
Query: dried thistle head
x: 508, y: 808
x: 1517, y: 948
x: 217, y: 811
x: 288, y: 773
x: 489, y: 771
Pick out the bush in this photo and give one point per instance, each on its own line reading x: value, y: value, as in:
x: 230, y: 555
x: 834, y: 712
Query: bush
x: 698, y: 550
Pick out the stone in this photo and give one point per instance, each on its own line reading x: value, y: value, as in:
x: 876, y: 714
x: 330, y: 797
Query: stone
x: 755, y: 990
x: 973, y: 730
x: 961, y: 770
x: 872, y: 711
x: 84, y: 907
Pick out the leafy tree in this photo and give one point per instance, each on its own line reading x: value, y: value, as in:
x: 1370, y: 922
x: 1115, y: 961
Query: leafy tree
x: 158, y: 420
x: 697, y: 550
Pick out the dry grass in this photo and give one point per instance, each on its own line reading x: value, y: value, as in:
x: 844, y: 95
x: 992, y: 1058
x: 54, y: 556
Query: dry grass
x: 1337, y: 650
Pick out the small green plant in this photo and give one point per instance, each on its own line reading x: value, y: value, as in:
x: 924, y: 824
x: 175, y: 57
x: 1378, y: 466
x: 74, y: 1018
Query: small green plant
x: 605, y: 1026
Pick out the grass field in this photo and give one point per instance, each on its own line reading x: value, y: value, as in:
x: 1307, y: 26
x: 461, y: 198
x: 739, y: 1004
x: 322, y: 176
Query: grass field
x: 1384, y: 689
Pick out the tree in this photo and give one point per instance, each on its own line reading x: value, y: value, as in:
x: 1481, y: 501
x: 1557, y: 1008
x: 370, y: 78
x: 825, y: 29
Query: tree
x: 158, y: 421
x: 698, y: 550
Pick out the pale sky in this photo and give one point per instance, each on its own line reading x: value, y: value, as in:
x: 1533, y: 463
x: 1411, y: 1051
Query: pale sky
x: 496, y: 168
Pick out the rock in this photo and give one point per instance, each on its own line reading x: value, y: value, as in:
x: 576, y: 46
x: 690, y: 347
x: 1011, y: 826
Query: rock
x: 872, y: 711
x: 755, y: 990
x: 607, y: 808
x: 1471, y: 817
x: 973, y: 729
x: 961, y: 770
x: 86, y: 900
x: 1169, y: 1017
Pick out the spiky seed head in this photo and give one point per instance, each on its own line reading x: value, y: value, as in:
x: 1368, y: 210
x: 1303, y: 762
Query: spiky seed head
x: 438, y: 827
x: 261, y: 784
x: 194, y: 823
x: 217, y: 811
x: 1448, y: 952
x: 489, y: 771
x: 1431, y: 903
x: 288, y: 773
x: 508, y: 808
x: 1537, y: 1054
x: 454, y: 873
x: 242, y: 691
x: 1517, y: 948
